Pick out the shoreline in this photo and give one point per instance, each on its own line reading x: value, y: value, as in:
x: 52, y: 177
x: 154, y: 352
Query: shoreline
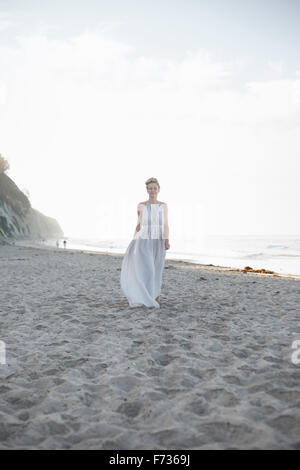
x: 181, y: 262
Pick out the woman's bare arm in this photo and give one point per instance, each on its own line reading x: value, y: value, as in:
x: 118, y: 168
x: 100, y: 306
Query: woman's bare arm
x: 139, y: 221
x: 166, y: 222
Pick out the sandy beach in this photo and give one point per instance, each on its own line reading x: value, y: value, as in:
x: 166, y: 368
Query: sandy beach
x: 210, y: 369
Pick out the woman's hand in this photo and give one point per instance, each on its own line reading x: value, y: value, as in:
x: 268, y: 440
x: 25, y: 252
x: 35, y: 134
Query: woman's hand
x: 167, y: 244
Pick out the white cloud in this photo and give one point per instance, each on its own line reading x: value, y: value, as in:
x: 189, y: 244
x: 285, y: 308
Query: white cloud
x: 5, y: 21
x: 90, y: 105
x: 2, y: 93
x: 276, y: 66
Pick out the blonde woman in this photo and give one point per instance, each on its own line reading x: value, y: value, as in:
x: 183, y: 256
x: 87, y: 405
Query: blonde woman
x: 144, y: 259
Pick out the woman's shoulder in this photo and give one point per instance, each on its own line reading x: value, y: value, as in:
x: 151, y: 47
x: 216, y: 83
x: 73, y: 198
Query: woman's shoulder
x: 146, y: 202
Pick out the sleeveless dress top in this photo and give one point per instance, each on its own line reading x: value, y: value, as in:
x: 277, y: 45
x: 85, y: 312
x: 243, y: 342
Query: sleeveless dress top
x: 144, y: 259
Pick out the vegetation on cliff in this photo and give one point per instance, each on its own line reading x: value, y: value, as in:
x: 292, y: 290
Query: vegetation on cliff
x: 17, y: 218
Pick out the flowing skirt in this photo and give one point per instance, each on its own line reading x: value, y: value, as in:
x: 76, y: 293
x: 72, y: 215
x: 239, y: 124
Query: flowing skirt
x: 141, y: 272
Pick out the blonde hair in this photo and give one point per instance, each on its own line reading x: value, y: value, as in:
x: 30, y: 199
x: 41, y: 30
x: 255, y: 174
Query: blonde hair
x: 152, y: 180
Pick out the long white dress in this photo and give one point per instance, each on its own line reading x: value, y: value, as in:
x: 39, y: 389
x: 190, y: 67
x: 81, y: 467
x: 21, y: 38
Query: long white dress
x: 144, y: 259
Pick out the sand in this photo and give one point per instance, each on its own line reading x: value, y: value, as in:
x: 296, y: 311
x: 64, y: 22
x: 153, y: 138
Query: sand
x: 210, y: 369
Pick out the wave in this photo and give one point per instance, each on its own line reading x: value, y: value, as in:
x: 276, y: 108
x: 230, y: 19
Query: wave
x: 278, y: 246
x: 255, y: 255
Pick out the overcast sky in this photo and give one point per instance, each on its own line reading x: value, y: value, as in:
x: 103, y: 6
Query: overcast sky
x: 98, y: 96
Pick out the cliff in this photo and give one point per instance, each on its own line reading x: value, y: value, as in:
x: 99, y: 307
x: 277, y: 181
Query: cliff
x: 18, y: 220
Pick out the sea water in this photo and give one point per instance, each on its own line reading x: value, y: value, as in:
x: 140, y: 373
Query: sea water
x: 279, y: 253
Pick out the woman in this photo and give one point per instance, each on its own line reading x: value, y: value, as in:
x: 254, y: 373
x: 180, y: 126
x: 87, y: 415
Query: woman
x: 143, y: 262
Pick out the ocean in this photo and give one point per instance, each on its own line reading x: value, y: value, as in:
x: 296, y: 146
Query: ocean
x: 279, y: 253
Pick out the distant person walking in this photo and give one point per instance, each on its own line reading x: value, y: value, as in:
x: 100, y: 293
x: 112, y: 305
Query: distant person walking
x: 65, y: 243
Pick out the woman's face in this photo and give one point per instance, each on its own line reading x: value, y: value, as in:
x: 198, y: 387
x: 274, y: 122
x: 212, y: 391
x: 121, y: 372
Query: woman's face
x: 152, y: 189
